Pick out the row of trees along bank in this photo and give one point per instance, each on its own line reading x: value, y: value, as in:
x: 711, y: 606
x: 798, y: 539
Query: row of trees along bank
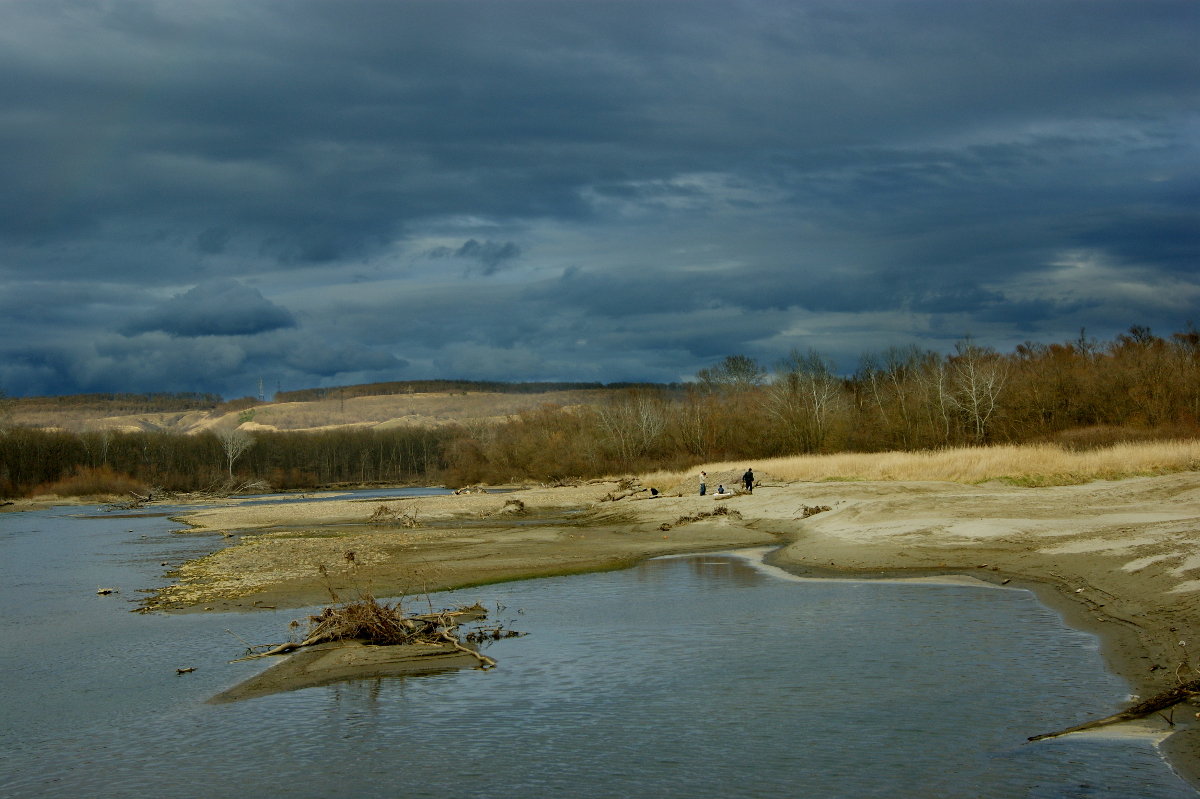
x: 1080, y: 393
x: 39, y: 461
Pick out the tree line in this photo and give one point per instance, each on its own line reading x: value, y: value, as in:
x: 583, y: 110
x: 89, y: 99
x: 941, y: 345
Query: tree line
x: 34, y: 461
x: 1080, y: 393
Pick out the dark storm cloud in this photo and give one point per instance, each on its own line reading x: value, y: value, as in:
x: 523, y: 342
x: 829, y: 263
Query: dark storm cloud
x: 221, y: 308
x: 682, y: 179
x: 491, y: 255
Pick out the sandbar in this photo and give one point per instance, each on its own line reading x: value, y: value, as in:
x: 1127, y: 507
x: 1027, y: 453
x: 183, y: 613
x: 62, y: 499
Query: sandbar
x: 1117, y: 558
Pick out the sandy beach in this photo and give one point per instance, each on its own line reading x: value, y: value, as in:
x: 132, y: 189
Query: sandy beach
x: 1118, y: 558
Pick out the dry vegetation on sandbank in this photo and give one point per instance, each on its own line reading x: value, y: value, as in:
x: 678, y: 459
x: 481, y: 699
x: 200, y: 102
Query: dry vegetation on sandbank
x: 1027, y: 464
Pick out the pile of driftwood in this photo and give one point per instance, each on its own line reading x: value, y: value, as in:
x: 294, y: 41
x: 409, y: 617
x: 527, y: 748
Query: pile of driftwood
x: 136, y: 503
x: 405, y: 516
x: 720, y: 510
x: 370, y: 621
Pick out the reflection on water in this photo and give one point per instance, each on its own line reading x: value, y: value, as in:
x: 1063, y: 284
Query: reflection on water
x: 686, y: 677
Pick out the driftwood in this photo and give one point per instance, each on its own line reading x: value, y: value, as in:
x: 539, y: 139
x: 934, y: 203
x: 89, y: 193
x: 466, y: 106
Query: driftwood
x: 376, y: 623
x: 136, y: 503
x: 1160, y: 701
x: 512, y: 507
x: 403, y: 517
x: 720, y: 510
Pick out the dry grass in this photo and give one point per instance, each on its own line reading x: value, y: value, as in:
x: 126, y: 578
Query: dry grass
x: 1032, y: 464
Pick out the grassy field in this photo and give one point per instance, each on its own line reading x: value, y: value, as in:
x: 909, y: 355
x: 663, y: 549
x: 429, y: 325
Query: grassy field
x: 1032, y: 465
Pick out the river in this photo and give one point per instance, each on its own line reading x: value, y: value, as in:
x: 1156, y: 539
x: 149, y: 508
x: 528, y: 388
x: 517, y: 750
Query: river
x: 701, y: 676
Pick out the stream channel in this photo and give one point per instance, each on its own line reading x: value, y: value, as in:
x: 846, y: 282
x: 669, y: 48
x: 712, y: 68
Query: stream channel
x: 698, y: 676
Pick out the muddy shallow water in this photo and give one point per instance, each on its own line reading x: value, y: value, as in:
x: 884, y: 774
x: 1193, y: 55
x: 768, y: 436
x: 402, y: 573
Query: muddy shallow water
x: 697, y: 676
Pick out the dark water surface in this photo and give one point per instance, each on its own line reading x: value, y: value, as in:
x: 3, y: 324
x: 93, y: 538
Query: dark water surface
x: 686, y: 677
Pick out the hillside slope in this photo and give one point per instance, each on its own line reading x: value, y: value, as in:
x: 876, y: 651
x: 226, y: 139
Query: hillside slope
x: 429, y: 409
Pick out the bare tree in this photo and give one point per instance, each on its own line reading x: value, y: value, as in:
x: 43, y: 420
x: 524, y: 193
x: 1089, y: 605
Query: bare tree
x: 633, y: 423
x: 1186, y: 351
x: 697, y: 422
x: 735, y: 373
x: 937, y: 410
x: 892, y: 379
x: 977, y: 378
x: 803, y: 399
x: 235, y: 442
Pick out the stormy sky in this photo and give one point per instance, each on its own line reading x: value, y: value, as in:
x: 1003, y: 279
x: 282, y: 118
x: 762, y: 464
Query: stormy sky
x: 201, y: 195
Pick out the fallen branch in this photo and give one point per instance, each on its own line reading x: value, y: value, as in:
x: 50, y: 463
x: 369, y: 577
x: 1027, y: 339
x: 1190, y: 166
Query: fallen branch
x: 1160, y: 701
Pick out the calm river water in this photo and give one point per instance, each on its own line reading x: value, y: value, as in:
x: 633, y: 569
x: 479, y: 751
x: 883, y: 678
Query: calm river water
x: 684, y: 677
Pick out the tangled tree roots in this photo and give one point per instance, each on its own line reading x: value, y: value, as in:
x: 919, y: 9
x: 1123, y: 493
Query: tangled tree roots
x: 373, y: 622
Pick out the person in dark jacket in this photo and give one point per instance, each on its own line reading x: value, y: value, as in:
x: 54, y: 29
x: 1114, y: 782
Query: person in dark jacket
x: 748, y: 479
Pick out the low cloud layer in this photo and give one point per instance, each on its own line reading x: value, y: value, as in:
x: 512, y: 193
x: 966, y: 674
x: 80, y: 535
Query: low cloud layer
x: 203, y: 196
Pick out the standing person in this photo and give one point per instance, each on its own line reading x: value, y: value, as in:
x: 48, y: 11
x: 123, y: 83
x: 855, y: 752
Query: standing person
x: 703, y: 483
x: 748, y: 479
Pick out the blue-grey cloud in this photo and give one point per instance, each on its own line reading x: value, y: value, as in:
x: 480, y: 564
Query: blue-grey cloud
x: 491, y: 255
x: 220, y: 308
x: 645, y: 186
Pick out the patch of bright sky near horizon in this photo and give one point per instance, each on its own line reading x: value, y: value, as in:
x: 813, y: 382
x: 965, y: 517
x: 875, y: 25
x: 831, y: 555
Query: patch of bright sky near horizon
x: 200, y: 196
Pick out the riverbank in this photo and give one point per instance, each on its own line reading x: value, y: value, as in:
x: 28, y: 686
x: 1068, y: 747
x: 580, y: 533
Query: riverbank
x: 1119, y: 558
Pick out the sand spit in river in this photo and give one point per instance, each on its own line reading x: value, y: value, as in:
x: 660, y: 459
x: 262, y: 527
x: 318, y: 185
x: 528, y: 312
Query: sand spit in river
x: 1121, y: 558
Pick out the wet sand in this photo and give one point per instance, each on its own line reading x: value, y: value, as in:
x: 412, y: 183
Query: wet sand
x: 1120, y: 558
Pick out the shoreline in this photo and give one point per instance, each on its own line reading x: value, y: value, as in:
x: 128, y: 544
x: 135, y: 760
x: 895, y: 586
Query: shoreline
x: 1120, y: 559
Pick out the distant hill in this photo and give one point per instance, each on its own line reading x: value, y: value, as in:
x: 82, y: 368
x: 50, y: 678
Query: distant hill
x: 429, y: 387
x: 424, y: 403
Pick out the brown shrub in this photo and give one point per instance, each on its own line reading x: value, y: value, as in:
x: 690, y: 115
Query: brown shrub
x: 88, y: 481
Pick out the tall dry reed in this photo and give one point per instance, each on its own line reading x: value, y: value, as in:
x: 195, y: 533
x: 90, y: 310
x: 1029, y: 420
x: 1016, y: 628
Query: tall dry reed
x: 1031, y: 464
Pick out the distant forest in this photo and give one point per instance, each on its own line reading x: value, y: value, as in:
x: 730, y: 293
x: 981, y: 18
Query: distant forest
x: 1081, y: 393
